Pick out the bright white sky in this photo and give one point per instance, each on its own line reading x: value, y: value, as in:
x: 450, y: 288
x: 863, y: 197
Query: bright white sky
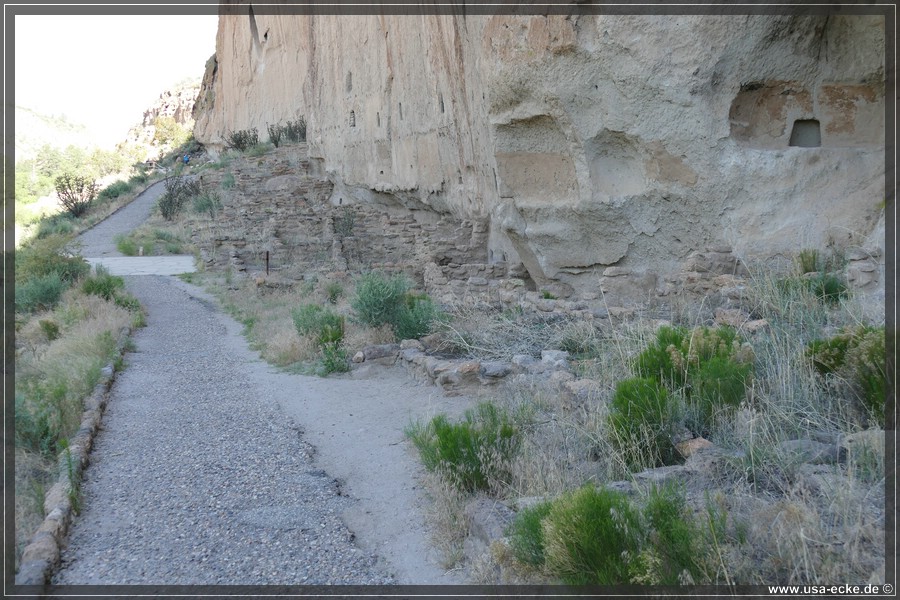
x: 103, y: 71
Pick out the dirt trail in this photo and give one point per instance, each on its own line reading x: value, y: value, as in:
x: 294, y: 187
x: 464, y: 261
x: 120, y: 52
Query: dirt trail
x: 200, y: 459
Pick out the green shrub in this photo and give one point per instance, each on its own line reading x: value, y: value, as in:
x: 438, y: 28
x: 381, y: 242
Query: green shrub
x: 179, y: 189
x: 642, y: 416
x: 526, y: 537
x: 39, y: 293
x: 334, y: 357
x: 808, y: 261
x: 663, y: 360
x: 209, y: 202
x: 473, y: 454
x: 675, y: 551
x: 103, y: 284
x: 48, y: 255
x: 138, y: 179
x: 58, y: 224
x: 712, y: 366
x: 345, y: 223
x: 227, y: 181
x: 114, y: 190
x: 381, y: 300
x: 276, y: 132
x: 415, y: 320
x: 333, y: 291
x: 827, y: 287
x: 590, y: 537
x: 324, y: 325
x: 856, y: 356
x: 34, y: 429
x: 243, y: 139
x: 50, y: 329
x: 718, y: 384
x: 126, y: 245
x: 295, y: 131
x: 75, y: 192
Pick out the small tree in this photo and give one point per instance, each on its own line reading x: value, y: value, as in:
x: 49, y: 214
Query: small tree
x: 75, y: 192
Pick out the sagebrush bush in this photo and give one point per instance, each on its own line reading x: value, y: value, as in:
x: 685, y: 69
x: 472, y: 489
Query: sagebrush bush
x: 39, y: 293
x: 381, y: 300
x: 590, y: 536
x: 856, y: 357
x: 642, y: 418
x: 473, y: 454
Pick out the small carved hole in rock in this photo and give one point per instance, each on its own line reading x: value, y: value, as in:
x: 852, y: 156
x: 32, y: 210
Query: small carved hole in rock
x: 352, y: 118
x: 806, y: 134
x: 441, y: 101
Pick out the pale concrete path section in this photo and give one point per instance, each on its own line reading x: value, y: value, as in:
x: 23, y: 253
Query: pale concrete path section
x: 145, y: 265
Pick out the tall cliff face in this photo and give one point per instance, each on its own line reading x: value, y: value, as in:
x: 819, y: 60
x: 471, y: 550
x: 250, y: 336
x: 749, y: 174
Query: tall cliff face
x: 610, y: 149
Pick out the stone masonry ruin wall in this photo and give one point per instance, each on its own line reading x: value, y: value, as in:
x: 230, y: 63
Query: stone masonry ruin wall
x: 630, y: 157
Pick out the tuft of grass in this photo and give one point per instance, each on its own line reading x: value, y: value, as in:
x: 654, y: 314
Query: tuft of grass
x: 473, y: 454
x: 855, y: 359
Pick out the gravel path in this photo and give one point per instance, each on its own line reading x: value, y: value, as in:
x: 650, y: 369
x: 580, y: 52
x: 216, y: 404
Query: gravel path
x: 98, y: 240
x: 203, y: 472
x: 198, y: 476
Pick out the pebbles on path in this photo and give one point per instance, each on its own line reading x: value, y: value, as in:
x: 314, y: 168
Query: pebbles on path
x: 197, y: 476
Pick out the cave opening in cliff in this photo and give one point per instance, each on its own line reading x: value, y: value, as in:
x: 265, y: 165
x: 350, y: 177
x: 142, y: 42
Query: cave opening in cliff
x: 806, y: 134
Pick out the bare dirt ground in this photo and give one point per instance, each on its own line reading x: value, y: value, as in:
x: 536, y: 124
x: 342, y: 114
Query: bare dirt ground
x: 200, y: 460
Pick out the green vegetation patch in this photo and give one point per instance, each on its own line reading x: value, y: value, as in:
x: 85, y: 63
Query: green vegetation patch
x: 473, y: 454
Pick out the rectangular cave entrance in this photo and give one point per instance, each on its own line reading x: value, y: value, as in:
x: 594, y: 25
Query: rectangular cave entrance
x: 806, y: 134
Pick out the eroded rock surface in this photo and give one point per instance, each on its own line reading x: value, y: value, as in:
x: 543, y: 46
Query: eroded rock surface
x: 573, y: 144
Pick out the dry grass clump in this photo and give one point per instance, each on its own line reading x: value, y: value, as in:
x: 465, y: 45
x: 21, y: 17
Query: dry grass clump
x: 446, y: 516
x: 54, y: 373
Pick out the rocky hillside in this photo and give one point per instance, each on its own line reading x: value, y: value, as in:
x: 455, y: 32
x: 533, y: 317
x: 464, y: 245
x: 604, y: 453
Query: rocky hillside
x: 168, y: 120
x: 597, y: 153
x: 34, y: 129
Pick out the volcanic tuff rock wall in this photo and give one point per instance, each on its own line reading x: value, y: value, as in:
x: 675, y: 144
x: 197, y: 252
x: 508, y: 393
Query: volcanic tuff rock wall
x: 610, y: 149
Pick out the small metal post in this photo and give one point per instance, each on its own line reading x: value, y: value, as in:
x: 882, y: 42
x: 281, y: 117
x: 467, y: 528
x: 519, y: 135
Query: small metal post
x: 267, y: 262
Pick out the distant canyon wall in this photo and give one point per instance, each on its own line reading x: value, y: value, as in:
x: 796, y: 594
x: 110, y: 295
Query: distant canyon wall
x: 616, y: 151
